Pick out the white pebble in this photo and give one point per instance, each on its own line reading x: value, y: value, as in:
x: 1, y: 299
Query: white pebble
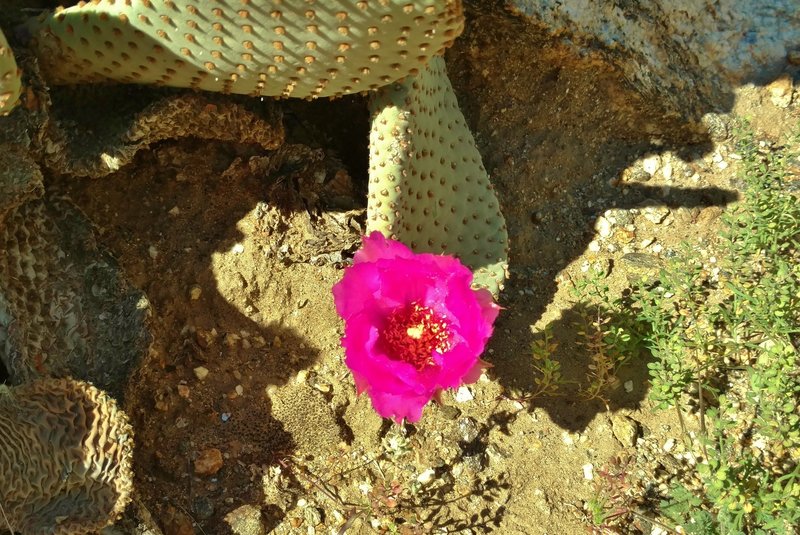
x: 669, y: 445
x: 237, y: 248
x: 152, y: 251
x: 464, y: 394
x: 651, y: 164
x: 426, y: 476
x: 594, y: 246
x: 174, y: 211
x: 628, y: 385
x: 603, y: 227
x: 588, y: 471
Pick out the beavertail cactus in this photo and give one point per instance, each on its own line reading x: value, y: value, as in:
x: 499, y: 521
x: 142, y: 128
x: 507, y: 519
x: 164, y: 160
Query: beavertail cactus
x: 65, y: 457
x: 427, y: 184
x: 10, y: 77
x: 280, y: 48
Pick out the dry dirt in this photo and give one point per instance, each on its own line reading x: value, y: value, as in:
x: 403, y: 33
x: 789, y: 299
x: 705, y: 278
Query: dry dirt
x: 238, y: 260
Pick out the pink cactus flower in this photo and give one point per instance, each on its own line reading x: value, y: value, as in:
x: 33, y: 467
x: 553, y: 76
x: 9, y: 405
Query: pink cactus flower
x: 413, y: 325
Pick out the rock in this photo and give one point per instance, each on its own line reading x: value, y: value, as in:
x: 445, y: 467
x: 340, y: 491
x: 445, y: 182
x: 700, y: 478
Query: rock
x: 177, y: 522
x: 246, y: 520
x: 603, y: 227
x: 468, y: 429
x: 655, y: 214
x: 208, y: 462
x: 202, y: 507
x: 201, y: 372
x: 463, y: 394
x: 716, y: 125
x: 641, y: 267
x: 651, y: 164
x: 681, y: 54
x: 780, y: 91
x: 625, y: 430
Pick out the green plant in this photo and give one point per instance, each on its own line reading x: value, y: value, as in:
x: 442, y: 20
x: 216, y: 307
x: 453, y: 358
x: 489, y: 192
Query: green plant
x: 727, y: 333
x: 609, y: 332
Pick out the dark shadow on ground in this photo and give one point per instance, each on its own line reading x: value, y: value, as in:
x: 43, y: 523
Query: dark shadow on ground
x: 556, y: 131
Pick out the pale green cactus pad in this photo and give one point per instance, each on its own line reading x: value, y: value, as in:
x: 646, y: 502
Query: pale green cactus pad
x: 427, y: 184
x: 10, y: 77
x: 306, y: 49
x: 66, y: 452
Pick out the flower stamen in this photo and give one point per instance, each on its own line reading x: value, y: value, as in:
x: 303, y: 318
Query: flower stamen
x: 414, y: 332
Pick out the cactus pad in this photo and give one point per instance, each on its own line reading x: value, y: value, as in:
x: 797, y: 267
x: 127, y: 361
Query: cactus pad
x: 65, y: 457
x: 65, y: 306
x: 427, y: 184
x: 97, y: 139
x: 287, y: 48
x: 10, y: 77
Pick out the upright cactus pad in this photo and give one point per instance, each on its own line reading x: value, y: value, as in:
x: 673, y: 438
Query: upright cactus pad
x: 427, y: 185
x: 10, y: 77
x: 290, y: 48
x: 65, y: 457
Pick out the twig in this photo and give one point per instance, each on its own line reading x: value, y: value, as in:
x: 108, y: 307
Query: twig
x: 10, y: 529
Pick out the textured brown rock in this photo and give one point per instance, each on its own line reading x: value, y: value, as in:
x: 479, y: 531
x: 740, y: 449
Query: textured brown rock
x: 208, y: 462
x: 65, y: 457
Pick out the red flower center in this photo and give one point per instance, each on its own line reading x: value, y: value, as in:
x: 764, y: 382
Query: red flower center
x: 414, y: 332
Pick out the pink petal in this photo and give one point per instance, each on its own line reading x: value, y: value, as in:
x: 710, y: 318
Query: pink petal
x: 399, y: 407
x: 376, y: 246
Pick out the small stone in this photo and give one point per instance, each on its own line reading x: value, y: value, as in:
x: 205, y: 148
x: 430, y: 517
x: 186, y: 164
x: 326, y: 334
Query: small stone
x: 651, y: 164
x: 463, y: 394
x: 567, y: 439
x: 594, y: 246
x: 628, y: 385
x: 468, y: 429
x: 246, y: 520
x: 655, y: 214
x: 208, y: 462
x: 667, y: 171
x: 641, y: 267
x: 426, y: 476
x: 603, y: 227
x: 780, y: 91
x: 183, y: 391
x: 153, y: 252
x: 237, y: 248
x: 625, y: 430
x: 174, y: 211
x: 313, y: 516
x: 177, y: 523
x: 201, y: 373
x: 669, y: 445
x: 717, y: 126
x: 203, y: 508
x: 195, y: 292
x: 588, y: 472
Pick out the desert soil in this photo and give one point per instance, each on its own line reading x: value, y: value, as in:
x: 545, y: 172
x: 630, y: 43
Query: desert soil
x: 243, y: 410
